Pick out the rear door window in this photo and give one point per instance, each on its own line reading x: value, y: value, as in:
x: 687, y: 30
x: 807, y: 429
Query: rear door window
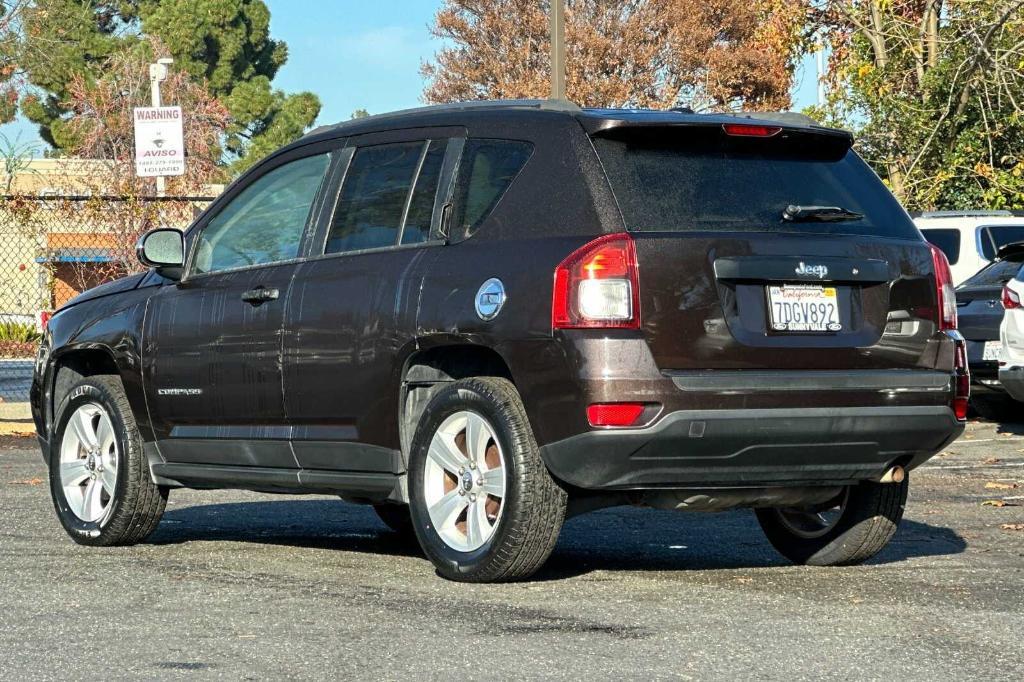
x: 948, y: 241
x: 694, y: 181
x: 486, y: 171
x: 373, y: 197
x: 424, y: 195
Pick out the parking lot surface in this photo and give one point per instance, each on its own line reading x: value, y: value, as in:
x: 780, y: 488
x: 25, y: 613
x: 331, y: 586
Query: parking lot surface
x: 246, y: 586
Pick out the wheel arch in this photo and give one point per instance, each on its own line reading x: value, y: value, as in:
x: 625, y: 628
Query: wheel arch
x: 428, y: 370
x: 69, y: 366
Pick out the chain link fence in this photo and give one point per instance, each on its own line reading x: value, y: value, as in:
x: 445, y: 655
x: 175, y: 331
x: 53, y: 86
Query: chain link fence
x: 52, y: 248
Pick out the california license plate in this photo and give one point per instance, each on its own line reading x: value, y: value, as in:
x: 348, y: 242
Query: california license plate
x: 803, y: 308
x: 991, y: 350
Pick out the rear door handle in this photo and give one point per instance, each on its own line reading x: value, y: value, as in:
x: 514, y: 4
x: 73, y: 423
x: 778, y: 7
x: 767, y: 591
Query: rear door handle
x: 260, y: 295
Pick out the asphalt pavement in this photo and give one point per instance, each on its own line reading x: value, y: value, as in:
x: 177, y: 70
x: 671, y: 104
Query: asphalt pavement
x: 239, y: 585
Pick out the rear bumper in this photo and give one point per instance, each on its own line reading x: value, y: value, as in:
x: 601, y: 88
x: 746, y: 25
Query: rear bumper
x: 754, y: 447
x: 1012, y: 380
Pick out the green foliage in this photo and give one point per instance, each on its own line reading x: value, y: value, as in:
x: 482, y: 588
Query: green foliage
x: 940, y: 119
x: 18, y: 332
x: 360, y: 113
x: 225, y: 44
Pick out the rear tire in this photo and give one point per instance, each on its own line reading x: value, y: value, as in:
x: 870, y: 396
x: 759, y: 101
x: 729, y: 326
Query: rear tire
x: 99, y: 477
x: 867, y: 520
x: 484, y: 507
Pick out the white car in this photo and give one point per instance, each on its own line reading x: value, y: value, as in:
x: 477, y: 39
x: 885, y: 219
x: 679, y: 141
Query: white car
x: 970, y: 239
x: 1011, y: 336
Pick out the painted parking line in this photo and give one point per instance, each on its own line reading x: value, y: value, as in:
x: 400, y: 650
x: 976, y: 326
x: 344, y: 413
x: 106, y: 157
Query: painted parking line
x: 980, y: 465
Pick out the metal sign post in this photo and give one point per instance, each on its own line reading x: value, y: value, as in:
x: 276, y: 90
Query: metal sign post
x: 558, y: 49
x: 157, y: 74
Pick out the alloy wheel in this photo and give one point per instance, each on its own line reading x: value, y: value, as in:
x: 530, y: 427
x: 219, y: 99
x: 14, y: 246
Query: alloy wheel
x: 464, y: 481
x: 88, y: 463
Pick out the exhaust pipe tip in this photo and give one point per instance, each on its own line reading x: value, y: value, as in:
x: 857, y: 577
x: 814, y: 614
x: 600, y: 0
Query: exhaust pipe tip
x: 894, y: 475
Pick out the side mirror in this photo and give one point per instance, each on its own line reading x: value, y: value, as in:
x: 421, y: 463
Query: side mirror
x: 163, y: 249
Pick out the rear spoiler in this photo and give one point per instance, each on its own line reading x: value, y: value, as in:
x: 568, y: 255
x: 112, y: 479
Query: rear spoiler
x: 791, y: 130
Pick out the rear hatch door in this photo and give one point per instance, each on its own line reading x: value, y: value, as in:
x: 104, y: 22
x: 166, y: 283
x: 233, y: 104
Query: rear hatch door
x: 729, y: 281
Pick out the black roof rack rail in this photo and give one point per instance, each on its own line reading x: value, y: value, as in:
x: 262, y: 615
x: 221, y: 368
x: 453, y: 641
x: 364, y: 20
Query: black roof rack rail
x: 468, y: 105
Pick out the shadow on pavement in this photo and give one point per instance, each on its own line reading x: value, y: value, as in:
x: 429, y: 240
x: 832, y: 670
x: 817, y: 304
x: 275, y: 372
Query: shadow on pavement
x: 619, y: 539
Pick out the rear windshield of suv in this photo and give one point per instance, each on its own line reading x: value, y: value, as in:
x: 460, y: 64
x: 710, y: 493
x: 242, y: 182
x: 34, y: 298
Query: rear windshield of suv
x: 694, y: 184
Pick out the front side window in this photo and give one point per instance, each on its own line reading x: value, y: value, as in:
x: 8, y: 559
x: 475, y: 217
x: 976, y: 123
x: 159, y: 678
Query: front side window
x: 373, y: 199
x: 486, y: 170
x: 265, y: 222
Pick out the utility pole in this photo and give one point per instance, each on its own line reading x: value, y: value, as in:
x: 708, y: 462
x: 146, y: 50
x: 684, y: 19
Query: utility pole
x: 557, y: 49
x: 158, y: 74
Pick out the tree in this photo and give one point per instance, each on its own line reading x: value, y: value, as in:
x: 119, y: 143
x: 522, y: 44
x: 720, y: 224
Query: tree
x: 101, y: 126
x: 360, y: 113
x: 935, y: 92
x: 223, y: 43
x: 708, y: 54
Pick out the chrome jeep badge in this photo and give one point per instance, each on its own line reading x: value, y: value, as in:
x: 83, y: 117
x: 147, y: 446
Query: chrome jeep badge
x: 490, y: 298
x: 819, y: 271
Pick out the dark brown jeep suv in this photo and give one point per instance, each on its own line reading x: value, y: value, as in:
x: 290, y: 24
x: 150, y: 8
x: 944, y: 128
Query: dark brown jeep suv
x: 482, y: 318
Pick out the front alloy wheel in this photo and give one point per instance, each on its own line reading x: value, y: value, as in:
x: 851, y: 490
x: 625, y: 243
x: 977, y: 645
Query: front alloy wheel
x: 99, y: 477
x: 88, y: 463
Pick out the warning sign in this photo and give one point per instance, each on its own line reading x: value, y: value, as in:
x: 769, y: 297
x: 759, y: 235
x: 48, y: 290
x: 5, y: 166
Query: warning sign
x: 159, y: 142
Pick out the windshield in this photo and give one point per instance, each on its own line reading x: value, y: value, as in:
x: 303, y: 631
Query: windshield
x: 705, y: 186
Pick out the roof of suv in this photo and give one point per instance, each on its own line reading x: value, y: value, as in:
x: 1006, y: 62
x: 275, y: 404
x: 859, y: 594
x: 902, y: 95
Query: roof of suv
x: 595, y: 121
x: 967, y: 219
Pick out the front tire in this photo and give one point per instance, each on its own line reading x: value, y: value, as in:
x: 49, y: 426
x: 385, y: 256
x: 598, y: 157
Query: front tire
x: 99, y: 478
x: 847, y: 531
x: 484, y: 507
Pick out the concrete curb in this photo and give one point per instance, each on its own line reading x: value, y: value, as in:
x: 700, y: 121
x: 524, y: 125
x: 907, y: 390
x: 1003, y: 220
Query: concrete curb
x: 16, y: 419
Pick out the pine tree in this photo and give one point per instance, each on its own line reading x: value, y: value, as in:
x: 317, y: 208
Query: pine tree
x: 225, y: 44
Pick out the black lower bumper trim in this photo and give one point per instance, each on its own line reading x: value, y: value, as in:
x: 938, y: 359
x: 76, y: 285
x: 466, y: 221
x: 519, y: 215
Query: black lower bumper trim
x: 763, y: 447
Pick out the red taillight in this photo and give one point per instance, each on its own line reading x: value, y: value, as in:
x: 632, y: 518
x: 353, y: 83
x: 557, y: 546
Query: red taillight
x: 44, y: 319
x: 944, y: 295
x: 614, y: 414
x: 598, y: 286
x: 1010, y: 298
x: 962, y: 380
x: 745, y: 130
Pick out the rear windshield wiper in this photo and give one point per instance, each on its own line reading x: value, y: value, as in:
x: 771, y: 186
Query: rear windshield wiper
x: 821, y: 214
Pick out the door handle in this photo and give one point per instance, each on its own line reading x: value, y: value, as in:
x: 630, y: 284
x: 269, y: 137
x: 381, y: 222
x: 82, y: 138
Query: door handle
x: 260, y: 295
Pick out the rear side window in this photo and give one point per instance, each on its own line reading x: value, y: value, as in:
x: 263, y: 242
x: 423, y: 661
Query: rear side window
x: 994, y: 274
x: 486, y: 170
x: 999, y: 236
x: 947, y: 240
x: 674, y: 182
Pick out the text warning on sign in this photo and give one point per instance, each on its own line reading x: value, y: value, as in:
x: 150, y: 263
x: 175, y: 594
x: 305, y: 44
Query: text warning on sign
x: 159, y: 142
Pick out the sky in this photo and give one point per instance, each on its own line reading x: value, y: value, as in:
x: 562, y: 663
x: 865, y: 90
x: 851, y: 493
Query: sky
x: 364, y: 54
